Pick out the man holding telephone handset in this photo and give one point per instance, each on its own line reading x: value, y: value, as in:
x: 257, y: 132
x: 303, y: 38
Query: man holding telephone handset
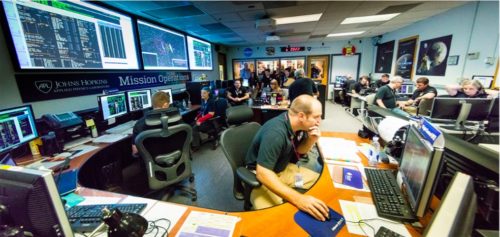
x: 275, y: 153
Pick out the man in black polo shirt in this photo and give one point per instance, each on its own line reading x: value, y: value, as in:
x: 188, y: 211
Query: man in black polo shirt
x: 386, y: 96
x: 384, y: 80
x: 302, y: 86
x: 237, y: 95
x: 274, y: 154
x: 423, y: 91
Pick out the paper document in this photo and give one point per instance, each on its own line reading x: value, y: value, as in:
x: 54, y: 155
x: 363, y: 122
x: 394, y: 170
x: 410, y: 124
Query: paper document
x: 162, y: 213
x: 337, y: 172
x: 389, y: 126
x: 367, y: 215
x: 339, y: 149
x: 109, y: 138
x: 208, y: 224
x: 83, y: 150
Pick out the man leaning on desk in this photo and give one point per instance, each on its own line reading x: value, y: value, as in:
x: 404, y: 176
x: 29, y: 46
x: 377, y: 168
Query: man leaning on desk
x: 276, y: 163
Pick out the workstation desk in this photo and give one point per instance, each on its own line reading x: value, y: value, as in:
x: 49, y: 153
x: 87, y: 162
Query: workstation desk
x: 274, y: 221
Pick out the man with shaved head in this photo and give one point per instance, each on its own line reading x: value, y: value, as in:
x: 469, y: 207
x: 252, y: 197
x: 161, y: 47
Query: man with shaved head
x: 274, y: 155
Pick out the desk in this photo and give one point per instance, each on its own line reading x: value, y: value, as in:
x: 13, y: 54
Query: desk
x: 275, y: 221
x: 263, y: 113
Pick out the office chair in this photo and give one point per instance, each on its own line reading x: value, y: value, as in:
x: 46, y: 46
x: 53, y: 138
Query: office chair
x: 424, y: 107
x: 235, y: 142
x: 166, y: 152
x: 218, y: 122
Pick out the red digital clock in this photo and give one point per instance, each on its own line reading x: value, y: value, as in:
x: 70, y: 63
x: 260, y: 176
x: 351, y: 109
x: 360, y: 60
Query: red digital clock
x: 293, y: 49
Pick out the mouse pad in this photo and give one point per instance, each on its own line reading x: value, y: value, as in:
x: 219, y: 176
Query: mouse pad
x: 317, y: 228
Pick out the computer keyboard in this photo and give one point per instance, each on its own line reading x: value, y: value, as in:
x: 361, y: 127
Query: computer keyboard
x: 122, y: 128
x: 88, y: 217
x: 76, y: 142
x: 384, y: 232
x: 387, y: 196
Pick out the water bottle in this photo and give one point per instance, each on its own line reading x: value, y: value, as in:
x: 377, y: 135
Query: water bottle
x: 373, y: 159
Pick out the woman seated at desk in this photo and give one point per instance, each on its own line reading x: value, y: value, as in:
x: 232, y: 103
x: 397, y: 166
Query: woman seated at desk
x: 207, y: 111
x: 467, y: 89
x: 275, y: 87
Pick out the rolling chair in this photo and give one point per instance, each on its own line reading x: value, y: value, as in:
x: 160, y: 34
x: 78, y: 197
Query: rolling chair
x: 235, y: 142
x: 424, y: 107
x: 218, y: 122
x: 166, y: 153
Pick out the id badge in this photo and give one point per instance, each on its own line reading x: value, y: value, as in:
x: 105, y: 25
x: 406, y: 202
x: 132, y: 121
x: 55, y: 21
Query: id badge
x: 299, y: 181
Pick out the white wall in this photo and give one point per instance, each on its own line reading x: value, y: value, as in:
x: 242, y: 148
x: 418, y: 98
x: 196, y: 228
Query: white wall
x: 335, y: 47
x: 474, y: 27
x: 10, y: 96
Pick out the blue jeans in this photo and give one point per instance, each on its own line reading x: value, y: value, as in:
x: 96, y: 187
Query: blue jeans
x: 400, y: 112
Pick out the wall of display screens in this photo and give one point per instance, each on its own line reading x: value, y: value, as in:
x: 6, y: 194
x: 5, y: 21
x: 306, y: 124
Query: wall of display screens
x: 70, y: 35
x: 162, y: 48
x: 200, y: 54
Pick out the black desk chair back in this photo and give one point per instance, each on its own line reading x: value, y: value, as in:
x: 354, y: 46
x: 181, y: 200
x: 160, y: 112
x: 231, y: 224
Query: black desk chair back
x: 218, y: 122
x: 165, y: 152
x: 235, y: 142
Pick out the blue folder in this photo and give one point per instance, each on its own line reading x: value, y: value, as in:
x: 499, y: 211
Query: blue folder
x: 352, y: 177
x: 317, y: 228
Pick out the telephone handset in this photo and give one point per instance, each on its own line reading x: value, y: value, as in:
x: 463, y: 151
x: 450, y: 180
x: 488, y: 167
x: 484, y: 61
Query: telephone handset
x: 64, y: 120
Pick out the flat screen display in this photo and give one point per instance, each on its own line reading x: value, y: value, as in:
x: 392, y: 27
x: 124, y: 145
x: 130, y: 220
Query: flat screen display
x: 139, y: 100
x: 17, y: 126
x: 112, y: 105
x: 70, y: 35
x: 162, y: 49
x: 200, y: 54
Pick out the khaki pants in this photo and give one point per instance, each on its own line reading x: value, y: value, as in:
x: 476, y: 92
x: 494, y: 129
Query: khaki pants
x: 262, y: 197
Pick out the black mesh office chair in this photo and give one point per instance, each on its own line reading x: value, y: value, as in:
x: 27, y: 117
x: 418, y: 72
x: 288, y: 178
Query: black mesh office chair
x: 235, y: 142
x: 218, y: 122
x: 165, y: 152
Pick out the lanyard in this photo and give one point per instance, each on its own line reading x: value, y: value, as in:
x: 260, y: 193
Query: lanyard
x: 297, y: 155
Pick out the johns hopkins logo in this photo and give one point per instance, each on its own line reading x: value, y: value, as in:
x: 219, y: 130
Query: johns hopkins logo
x: 44, y: 86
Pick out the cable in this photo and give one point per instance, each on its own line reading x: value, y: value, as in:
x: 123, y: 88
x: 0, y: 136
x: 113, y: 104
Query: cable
x: 363, y: 221
x: 152, y: 225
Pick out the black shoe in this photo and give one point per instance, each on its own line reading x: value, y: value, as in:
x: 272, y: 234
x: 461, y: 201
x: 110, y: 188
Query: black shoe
x: 215, y: 144
x: 195, y: 148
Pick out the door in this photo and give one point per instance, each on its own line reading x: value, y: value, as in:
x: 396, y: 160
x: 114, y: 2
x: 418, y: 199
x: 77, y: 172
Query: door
x: 342, y: 66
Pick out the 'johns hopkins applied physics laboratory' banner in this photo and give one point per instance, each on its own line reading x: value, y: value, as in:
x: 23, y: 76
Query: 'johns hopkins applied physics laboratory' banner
x: 37, y: 87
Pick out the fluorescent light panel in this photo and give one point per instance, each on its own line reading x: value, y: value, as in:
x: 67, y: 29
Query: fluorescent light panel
x: 345, y: 34
x: 298, y: 19
x: 363, y: 19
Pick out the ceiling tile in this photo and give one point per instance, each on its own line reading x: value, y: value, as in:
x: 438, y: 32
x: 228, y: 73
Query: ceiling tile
x: 399, y: 8
x: 318, y: 7
x: 241, y: 24
x: 252, y: 15
x: 213, y: 7
x: 174, y: 12
x: 227, y: 17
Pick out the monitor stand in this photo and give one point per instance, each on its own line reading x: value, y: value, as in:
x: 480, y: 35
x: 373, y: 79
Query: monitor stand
x: 463, y: 115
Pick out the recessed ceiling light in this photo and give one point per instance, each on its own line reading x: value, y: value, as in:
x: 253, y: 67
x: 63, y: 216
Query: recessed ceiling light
x: 297, y: 19
x: 345, y: 34
x: 363, y: 19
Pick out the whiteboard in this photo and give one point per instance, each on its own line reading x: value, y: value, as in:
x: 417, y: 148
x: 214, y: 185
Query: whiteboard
x: 343, y: 65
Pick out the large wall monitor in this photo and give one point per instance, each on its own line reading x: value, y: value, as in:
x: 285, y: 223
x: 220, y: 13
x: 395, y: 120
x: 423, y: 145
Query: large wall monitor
x: 112, y: 105
x: 161, y: 48
x: 138, y: 100
x: 70, y: 35
x: 200, y: 54
x: 17, y: 126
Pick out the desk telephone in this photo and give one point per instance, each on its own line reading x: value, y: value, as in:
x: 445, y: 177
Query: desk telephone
x: 64, y: 120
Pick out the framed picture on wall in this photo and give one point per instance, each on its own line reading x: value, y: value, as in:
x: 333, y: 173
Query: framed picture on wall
x: 318, y: 67
x: 385, y: 52
x: 406, y: 56
x: 433, y: 55
x: 244, y: 69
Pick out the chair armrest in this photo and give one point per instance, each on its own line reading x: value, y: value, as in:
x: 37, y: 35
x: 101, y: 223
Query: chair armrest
x: 248, y: 177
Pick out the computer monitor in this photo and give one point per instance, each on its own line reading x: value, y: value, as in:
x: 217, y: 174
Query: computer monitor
x: 139, y: 100
x: 339, y: 80
x: 113, y: 105
x: 418, y: 170
x: 169, y: 93
x: 32, y: 201
x: 456, y: 212
x: 456, y: 109
x: 17, y: 126
x: 485, y: 80
x: 407, y: 89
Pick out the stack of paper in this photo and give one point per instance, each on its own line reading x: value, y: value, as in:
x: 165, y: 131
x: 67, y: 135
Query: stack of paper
x: 208, y: 225
x: 339, y: 149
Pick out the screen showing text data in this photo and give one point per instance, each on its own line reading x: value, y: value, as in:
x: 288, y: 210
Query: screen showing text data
x: 161, y: 48
x: 200, y: 54
x: 17, y: 126
x: 70, y: 35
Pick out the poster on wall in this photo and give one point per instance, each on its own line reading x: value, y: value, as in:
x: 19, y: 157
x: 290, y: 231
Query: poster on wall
x: 244, y: 70
x: 406, y: 57
x: 432, y: 56
x: 385, y: 52
x: 272, y: 65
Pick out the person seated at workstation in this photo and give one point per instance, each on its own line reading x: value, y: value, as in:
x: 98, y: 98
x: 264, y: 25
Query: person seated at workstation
x: 207, y: 111
x: 237, y: 95
x: 423, y: 91
x: 467, y: 89
x: 275, y: 87
x: 302, y: 85
x: 386, y: 96
x: 361, y: 87
x: 384, y: 80
x: 276, y: 163
x: 347, y: 88
x: 160, y: 101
